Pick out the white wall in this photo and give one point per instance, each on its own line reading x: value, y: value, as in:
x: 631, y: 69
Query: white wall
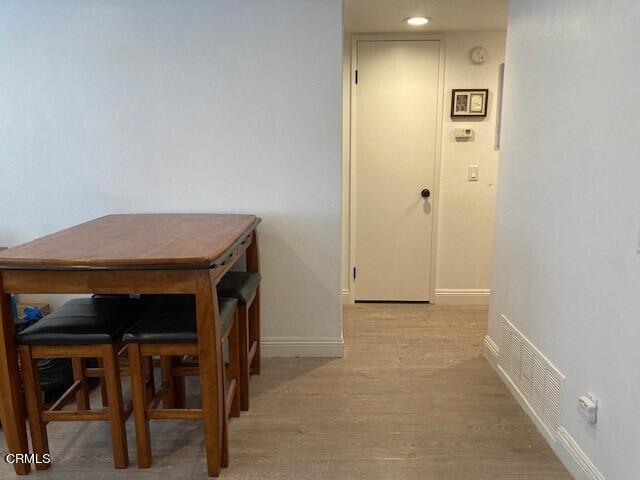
x: 466, y: 217
x: 194, y: 106
x: 465, y: 227
x: 567, y: 273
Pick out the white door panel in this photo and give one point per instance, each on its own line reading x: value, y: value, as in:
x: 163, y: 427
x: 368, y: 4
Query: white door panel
x: 396, y: 125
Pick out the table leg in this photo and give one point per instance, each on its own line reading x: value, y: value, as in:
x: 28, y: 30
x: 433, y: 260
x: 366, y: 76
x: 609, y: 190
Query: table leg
x: 211, y: 374
x: 33, y: 397
x: 11, y: 404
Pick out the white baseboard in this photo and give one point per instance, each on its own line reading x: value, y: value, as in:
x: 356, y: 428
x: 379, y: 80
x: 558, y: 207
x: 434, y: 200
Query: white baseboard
x: 346, y: 296
x: 328, y: 347
x: 462, y: 296
x: 580, y: 458
x: 563, y: 444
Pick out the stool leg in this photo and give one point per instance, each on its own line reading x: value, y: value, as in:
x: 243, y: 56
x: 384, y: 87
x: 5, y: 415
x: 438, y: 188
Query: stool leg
x: 224, y: 454
x: 254, y: 331
x: 33, y: 397
x: 224, y: 448
x: 166, y: 370
x: 243, y: 340
x: 116, y: 413
x: 103, y: 387
x: 234, y: 362
x: 82, y: 396
x: 150, y: 379
x: 140, y: 402
x: 179, y: 387
x: 253, y: 265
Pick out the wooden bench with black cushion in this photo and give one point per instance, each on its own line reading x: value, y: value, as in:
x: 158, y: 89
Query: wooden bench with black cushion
x: 169, y: 329
x: 245, y: 287
x: 80, y: 329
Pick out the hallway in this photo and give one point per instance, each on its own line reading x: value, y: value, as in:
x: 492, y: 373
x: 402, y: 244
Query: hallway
x: 412, y: 399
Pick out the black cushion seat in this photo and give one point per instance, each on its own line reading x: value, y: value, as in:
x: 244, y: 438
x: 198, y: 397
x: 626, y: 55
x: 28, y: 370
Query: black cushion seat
x: 172, y: 319
x: 240, y: 285
x: 83, y: 321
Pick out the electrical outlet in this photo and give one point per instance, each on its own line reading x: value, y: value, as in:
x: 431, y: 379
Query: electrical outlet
x: 588, y: 408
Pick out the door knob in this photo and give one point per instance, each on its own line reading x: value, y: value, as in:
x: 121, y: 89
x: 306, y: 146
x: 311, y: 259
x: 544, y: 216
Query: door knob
x: 425, y: 193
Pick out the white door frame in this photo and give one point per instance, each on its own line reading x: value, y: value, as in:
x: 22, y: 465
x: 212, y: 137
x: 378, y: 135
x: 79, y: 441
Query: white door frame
x: 355, y: 39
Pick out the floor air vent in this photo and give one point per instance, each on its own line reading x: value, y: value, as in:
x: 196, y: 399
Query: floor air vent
x: 538, y: 381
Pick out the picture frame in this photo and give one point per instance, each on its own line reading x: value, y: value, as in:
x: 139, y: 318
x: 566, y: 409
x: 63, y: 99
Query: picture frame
x: 469, y: 102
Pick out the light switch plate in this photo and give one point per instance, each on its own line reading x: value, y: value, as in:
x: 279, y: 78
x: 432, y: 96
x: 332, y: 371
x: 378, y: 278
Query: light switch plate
x: 473, y: 173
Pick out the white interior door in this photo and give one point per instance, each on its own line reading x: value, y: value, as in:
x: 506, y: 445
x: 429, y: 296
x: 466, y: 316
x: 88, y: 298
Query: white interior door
x: 395, y: 155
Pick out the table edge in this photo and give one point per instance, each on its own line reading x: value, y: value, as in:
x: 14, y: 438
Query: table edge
x: 194, y: 263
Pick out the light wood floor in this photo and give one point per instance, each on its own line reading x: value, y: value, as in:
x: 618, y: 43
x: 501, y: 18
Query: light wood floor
x: 412, y: 399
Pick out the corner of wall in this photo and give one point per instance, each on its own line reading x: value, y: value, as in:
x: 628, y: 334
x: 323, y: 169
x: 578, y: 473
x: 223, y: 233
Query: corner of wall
x: 346, y: 296
x: 491, y: 351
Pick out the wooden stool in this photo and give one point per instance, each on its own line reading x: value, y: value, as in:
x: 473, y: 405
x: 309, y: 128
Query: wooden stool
x: 80, y: 329
x: 245, y: 287
x: 168, y: 329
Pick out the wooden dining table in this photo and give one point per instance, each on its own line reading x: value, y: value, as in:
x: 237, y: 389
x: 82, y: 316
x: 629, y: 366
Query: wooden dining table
x: 129, y: 254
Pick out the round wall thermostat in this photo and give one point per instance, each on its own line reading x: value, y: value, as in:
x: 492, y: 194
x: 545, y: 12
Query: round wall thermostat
x: 479, y: 55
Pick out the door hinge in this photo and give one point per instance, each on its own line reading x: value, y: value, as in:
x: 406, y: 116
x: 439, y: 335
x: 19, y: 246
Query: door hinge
x: 354, y: 273
x: 356, y: 77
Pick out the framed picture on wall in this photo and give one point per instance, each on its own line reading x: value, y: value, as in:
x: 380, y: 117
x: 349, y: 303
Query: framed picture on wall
x: 466, y: 102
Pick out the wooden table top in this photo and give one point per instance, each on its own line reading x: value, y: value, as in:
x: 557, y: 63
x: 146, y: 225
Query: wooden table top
x: 134, y: 241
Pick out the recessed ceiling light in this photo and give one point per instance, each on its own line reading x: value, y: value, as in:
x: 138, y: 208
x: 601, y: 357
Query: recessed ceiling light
x: 417, y: 21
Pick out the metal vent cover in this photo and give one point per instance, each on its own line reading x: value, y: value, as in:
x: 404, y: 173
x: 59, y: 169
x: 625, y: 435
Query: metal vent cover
x: 537, y: 379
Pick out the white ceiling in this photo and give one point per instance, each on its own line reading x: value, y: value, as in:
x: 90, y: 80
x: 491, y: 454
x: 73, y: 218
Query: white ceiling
x: 446, y: 15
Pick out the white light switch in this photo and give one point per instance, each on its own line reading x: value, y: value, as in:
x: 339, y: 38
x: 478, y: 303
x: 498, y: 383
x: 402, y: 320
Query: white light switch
x: 473, y: 173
